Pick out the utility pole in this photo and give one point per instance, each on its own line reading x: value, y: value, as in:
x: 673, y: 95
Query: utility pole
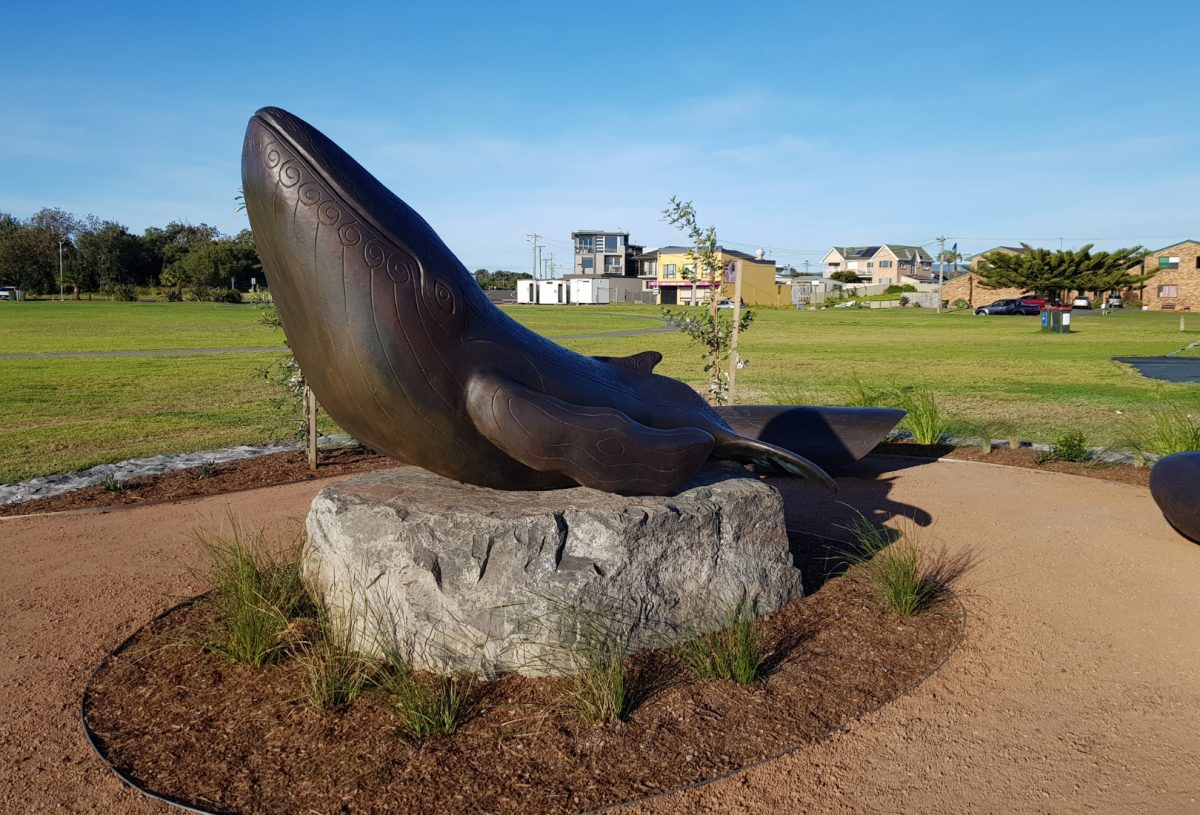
x: 534, y: 238
x: 941, y: 269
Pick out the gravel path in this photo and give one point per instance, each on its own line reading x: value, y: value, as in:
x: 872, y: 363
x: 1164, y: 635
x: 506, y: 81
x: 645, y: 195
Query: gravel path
x: 1077, y: 688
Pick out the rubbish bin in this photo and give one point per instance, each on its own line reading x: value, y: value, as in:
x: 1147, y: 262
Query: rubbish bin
x: 1056, y: 319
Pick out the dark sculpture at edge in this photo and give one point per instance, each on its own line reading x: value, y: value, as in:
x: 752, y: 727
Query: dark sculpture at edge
x: 408, y: 355
x: 1175, y: 486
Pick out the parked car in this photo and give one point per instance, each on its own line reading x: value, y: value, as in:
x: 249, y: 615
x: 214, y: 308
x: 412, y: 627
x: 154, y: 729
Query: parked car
x: 1115, y: 301
x: 8, y: 292
x: 1008, y: 307
x: 1081, y: 302
x: 725, y: 304
x: 1033, y: 300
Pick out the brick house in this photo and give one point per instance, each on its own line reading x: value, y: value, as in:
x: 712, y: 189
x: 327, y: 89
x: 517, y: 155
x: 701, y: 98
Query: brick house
x: 1177, y: 284
x: 967, y: 287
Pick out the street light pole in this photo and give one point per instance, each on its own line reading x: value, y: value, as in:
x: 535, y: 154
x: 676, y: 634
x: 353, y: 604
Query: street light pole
x: 60, y: 273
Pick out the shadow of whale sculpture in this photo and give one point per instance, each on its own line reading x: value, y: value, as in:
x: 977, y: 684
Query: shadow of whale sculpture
x: 408, y: 355
x: 1175, y: 486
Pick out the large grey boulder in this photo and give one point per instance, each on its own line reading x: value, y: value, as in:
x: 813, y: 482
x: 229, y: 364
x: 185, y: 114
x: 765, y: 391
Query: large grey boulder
x: 460, y: 577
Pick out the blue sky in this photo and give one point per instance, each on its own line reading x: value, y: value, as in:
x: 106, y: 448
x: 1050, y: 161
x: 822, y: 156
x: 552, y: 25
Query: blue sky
x: 790, y: 128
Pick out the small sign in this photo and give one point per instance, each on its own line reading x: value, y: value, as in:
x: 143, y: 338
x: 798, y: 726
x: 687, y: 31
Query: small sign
x: 731, y: 271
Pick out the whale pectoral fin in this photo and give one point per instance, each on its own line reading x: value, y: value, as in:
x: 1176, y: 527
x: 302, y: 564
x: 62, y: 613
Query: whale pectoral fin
x: 643, y: 362
x: 769, y: 458
x: 598, y: 447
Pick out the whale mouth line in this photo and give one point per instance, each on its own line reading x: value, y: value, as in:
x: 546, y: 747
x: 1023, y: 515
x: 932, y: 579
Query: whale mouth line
x: 321, y: 169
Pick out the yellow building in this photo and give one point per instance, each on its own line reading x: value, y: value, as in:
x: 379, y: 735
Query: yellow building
x: 668, y: 272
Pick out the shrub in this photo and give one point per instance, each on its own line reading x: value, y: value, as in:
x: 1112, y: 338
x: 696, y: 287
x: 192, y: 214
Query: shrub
x: 735, y: 652
x: 199, y: 294
x: 256, y: 594
x: 1071, y: 447
x: 122, y: 292
x: 903, y: 301
x: 111, y: 484
x: 960, y: 304
x: 895, y: 568
x: 226, y: 296
x: 174, y: 295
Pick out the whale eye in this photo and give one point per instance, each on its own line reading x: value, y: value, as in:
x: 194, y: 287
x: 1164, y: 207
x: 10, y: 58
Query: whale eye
x: 443, y: 296
x: 610, y: 446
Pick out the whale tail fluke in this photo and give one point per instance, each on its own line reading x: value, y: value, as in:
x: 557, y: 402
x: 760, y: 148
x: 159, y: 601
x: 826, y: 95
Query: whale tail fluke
x: 769, y: 458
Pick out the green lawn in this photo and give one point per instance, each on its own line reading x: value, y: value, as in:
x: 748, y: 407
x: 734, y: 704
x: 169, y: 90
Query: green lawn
x: 48, y: 325
x: 60, y: 414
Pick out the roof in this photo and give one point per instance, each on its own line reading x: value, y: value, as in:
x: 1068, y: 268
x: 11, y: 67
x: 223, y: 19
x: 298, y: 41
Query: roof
x: 683, y: 250
x: 904, y: 252
x: 1173, y: 245
x: 900, y: 250
x: 598, y: 232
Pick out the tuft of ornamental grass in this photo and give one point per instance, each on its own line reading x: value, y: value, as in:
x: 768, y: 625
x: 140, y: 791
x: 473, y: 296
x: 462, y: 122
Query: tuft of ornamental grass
x: 429, y: 706
x: 111, y: 484
x: 599, y: 688
x: 896, y: 568
x: 1171, y: 427
x: 257, y: 592
x: 335, y: 674
x: 924, y: 420
x: 735, y: 652
x: 863, y: 394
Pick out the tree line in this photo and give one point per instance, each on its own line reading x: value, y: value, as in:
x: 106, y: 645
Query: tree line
x: 104, y: 256
x: 499, y: 279
x: 1051, y: 273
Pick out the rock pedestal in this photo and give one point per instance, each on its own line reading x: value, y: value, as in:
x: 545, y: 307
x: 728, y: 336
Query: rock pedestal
x: 460, y: 577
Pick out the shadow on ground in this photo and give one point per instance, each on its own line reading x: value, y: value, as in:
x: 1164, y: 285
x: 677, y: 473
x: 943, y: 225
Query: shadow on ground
x: 817, y: 521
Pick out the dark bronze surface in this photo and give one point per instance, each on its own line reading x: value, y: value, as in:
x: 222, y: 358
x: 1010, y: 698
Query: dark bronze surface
x: 408, y: 355
x: 827, y: 436
x: 1175, y: 485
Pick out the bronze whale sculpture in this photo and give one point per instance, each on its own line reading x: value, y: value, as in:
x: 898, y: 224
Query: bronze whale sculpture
x: 1175, y: 487
x: 408, y: 355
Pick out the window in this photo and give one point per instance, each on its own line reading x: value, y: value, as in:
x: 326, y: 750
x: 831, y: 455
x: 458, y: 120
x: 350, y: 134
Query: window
x: 669, y: 271
x: 610, y: 243
x: 885, y: 281
x: 584, y: 243
x: 885, y: 264
x: 1168, y: 291
x: 612, y: 264
x: 650, y: 267
x: 587, y: 263
x: 1168, y: 263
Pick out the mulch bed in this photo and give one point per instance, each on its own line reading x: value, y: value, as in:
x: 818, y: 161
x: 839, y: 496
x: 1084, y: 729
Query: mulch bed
x: 188, y: 725
x: 245, y: 474
x: 287, y: 468
x: 1022, y: 457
